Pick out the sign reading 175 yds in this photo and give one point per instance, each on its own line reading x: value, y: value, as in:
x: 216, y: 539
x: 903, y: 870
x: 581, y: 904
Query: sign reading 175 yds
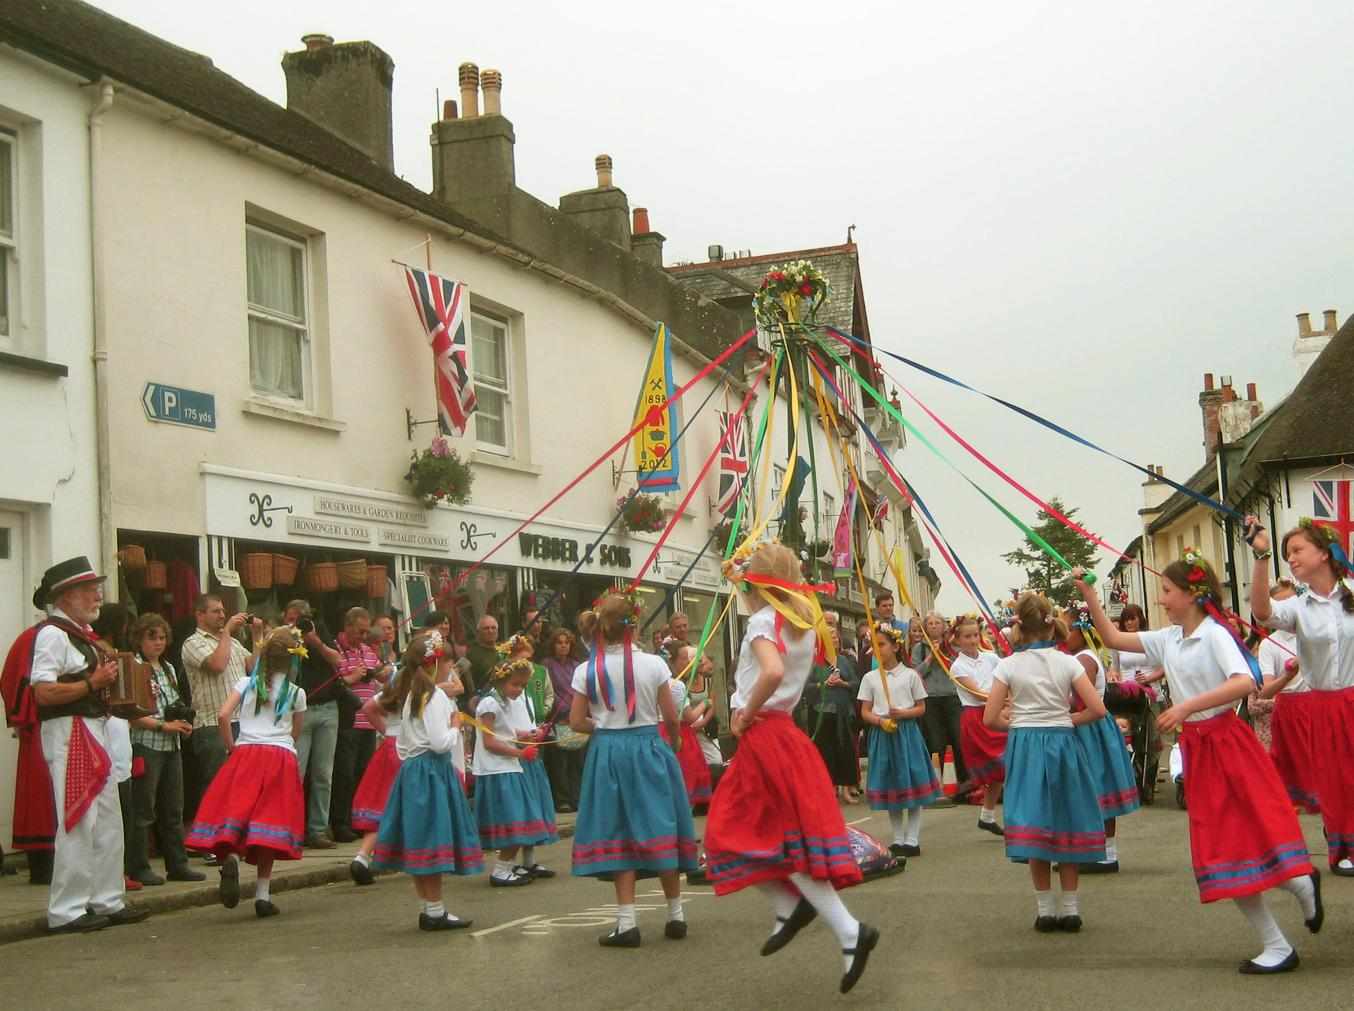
x: 179, y: 407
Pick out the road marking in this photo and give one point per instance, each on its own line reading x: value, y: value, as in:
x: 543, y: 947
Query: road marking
x: 860, y: 821
x: 601, y: 915
x: 505, y: 926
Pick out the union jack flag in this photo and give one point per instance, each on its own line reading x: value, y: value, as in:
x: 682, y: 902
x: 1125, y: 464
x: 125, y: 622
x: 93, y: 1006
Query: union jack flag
x: 733, y: 462
x: 440, y: 304
x: 1331, y: 508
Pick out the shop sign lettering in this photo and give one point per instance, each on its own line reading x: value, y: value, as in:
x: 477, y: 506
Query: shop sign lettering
x: 379, y: 512
x: 308, y: 526
x: 566, y: 550
x: 413, y: 539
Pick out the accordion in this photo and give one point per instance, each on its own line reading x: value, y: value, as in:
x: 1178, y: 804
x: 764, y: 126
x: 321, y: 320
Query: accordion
x: 131, y: 696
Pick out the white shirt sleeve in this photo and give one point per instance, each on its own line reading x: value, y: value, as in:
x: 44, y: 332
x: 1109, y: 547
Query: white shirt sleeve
x: 49, y: 654
x: 1283, y: 614
x: 580, y: 681
x: 1270, y: 664
x: 1000, y: 673
x: 437, y: 713
x: 866, y: 693
x: 1154, y: 646
x: 299, y: 703
x: 1227, y: 654
x: 762, y: 625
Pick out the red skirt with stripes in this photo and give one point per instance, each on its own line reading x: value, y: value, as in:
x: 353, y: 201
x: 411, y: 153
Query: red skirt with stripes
x: 1333, y: 749
x: 695, y: 773
x: 984, y: 750
x: 369, y: 802
x: 253, y: 804
x: 1290, y: 732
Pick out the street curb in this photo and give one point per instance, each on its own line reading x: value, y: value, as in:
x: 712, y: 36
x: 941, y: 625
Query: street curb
x: 22, y: 928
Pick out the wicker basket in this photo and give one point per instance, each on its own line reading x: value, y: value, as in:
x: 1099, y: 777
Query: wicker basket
x: 156, y: 576
x: 133, y: 557
x: 322, y: 577
x: 284, y: 570
x: 352, y: 575
x: 257, y: 571
x: 376, y: 581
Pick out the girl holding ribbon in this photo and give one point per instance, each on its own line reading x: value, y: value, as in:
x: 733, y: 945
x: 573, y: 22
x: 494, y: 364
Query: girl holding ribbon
x: 1244, y: 836
x: 774, y: 821
x: 984, y: 750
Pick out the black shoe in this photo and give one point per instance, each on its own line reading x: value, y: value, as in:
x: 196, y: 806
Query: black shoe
x: 534, y: 871
x: 1342, y: 872
x: 230, y: 882
x: 898, y: 850
x: 1069, y: 924
x: 263, y: 908
x: 81, y: 925
x: 211, y: 860
x: 909, y: 850
x: 991, y: 826
x: 860, y: 954
x: 565, y: 809
x: 181, y: 874
x: 151, y: 880
x: 674, y: 930
x: 1319, y: 917
x: 343, y: 834
x: 361, y: 873
x: 126, y: 915
x: 698, y: 877
x: 1046, y: 924
x: 448, y: 922
x: 516, y: 881
x: 803, y: 915
x: 1100, y: 867
x: 318, y: 842
x: 620, y: 939
x: 1249, y: 968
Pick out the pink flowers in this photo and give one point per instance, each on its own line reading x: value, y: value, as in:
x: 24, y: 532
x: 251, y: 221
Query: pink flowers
x: 440, y: 447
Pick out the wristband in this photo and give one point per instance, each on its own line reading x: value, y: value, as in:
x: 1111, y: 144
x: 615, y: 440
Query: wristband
x: 1261, y: 556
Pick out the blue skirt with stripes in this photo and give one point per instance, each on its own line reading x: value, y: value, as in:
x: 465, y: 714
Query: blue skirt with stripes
x: 1051, y: 805
x: 1111, y: 767
x: 901, y: 776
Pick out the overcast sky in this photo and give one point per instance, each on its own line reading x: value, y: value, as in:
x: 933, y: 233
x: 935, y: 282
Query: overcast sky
x: 1083, y: 207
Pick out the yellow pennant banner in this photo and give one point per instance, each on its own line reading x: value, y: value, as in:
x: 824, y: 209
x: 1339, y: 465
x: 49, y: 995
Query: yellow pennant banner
x: 656, y: 457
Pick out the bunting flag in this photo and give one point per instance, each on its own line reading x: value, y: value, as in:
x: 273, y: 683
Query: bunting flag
x: 841, y: 540
x: 733, y: 462
x: 656, y: 454
x: 440, y: 304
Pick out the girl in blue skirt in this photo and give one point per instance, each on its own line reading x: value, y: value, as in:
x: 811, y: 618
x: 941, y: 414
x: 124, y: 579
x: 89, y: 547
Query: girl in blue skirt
x: 1111, y: 764
x: 633, y: 816
x: 901, y: 779
x: 526, y: 725
x: 1052, y: 809
x: 508, y: 809
x: 427, y: 829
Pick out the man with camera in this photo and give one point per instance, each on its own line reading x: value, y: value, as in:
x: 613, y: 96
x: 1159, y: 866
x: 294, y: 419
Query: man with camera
x: 214, y: 661
x: 363, y: 673
x: 319, y: 730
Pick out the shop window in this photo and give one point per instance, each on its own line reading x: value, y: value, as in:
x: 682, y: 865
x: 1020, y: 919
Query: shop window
x: 279, y: 316
x: 490, y: 590
x: 490, y: 361
x: 9, y: 246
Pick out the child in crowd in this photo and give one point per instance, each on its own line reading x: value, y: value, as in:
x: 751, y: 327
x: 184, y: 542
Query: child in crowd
x: 508, y: 809
x: 633, y: 814
x: 369, y: 801
x: 1052, y: 811
x: 427, y: 829
x: 901, y: 778
x: 984, y: 750
x: 1244, y: 836
x: 1290, y: 724
x: 693, y: 718
x: 253, y: 806
x: 526, y: 721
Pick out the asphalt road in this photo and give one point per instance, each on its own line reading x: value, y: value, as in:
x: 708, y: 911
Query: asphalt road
x: 957, y: 933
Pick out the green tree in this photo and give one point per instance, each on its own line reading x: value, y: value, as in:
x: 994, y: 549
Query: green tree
x: 1042, y: 572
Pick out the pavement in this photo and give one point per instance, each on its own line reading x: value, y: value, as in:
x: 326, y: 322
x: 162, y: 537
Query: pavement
x: 957, y: 933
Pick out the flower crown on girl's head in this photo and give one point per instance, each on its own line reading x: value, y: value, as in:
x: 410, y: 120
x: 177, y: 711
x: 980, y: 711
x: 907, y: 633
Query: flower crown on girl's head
x: 1081, y: 613
x: 1198, y: 575
x: 508, y: 668
x: 636, y: 609
x: 893, y: 635
x: 434, y: 646
x: 1328, y: 539
x: 514, y: 643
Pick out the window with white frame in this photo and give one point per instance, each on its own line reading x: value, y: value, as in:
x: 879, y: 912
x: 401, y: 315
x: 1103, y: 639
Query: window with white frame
x: 9, y: 247
x: 490, y: 356
x: 830, y: 509
x: 279, y: 316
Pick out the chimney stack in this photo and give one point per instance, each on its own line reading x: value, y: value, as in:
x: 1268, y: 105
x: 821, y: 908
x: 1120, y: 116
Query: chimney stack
x: 1210, y: 402
x: 473, y: 156
x: 604, y: 209
x: 344, y: 88
x: 1304, y: 324
x: 1236, y: 417
x: 646, y: 243
x: 1330, y: 323
x: 603, y: 165
x: 1309, y: 345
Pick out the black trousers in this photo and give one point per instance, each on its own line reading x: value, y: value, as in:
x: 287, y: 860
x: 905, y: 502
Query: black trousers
x: 940, y: 727
x: 835, y: 739
x: 352, y: 752
x: 157, y: 802
x: 564, y: 766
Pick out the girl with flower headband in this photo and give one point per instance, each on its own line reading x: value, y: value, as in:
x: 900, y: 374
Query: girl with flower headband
x: 507, y: 809
x: 1293, y: 705
x: 1323, y: 620
x: 633, y: 816
x: 1052, y: 815
x: 901, y: 779
x: 1244, y: 837
x: 774, y: 822
x: 1111, y: 764
x: 253, y: 807
x: 984, y: 750
x: 427, y: 829
x: 527, y: 719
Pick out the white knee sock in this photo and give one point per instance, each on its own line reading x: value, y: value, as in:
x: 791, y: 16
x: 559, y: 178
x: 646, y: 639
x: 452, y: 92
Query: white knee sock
x: 988, y: 815
x: 914, y: 827
x: 1067, y: 905
x: 824, y: 898
x: 362, y: 859
x: 625, y: 917
x: 675, y: 910
x: 899, y: 821
x: 783, y: 900
x: 502, y: 869
x: 1301, y: 888
x: 1276, y: 945
x: 1111, y: 849
x: 528, y: 856
x: 435, y: 910
x: 1046, y: 902
x: 262, y: 889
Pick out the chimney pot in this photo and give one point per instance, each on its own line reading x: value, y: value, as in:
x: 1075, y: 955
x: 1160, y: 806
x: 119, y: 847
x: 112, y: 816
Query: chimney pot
x: 1250, y: 392
x: 604, y: 177
x: 1331, y: 326
x: 317, y: 40
x: 449, y: 109
x: 642, y: 221
x: 468, y: 76
x: 1304, y: 324
x: 1208, y: 381
x: 491, y: 81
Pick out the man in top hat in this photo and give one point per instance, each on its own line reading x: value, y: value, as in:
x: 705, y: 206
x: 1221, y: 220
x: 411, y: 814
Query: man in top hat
x: 68, y: 680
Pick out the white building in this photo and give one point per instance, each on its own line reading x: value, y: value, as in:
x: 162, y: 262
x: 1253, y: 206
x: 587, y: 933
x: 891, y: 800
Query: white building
x: 49, y: 493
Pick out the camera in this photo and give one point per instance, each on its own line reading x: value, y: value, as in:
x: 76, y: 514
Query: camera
x: 180, y: 711
x: 305, y: 626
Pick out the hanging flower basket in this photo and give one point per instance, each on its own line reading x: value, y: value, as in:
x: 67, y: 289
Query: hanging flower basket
x: 642, y: 514
x: 438, y: 474
x: 791, y: 293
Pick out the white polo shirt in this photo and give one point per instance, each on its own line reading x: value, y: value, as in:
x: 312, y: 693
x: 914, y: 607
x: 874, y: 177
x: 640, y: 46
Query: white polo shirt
x: 1275, y: 652
x: 905, y: 690
x: 1325, y: 637
x: 1197, y: 663
x: 977, y: 669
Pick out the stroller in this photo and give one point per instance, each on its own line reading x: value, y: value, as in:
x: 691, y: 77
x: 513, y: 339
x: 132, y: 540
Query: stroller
x: 1130, y: 703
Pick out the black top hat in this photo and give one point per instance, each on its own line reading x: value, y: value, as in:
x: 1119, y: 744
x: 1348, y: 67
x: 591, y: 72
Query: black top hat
x: 62, y: 576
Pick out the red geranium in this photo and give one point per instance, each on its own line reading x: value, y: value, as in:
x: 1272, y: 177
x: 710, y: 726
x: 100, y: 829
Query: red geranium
x: 777, y: 275
x: 806, y: 289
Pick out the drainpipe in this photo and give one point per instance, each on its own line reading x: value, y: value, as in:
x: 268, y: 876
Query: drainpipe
x: 107, y: 530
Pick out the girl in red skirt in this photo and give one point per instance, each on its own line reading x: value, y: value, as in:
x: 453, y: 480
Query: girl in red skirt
x: 254, y: 807
x: 1244, y: 836
x: 1290, y: 723
x: 984, y: 750
x: 774, y: 821
x: 694, y: 717
x: 1323, y: 619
